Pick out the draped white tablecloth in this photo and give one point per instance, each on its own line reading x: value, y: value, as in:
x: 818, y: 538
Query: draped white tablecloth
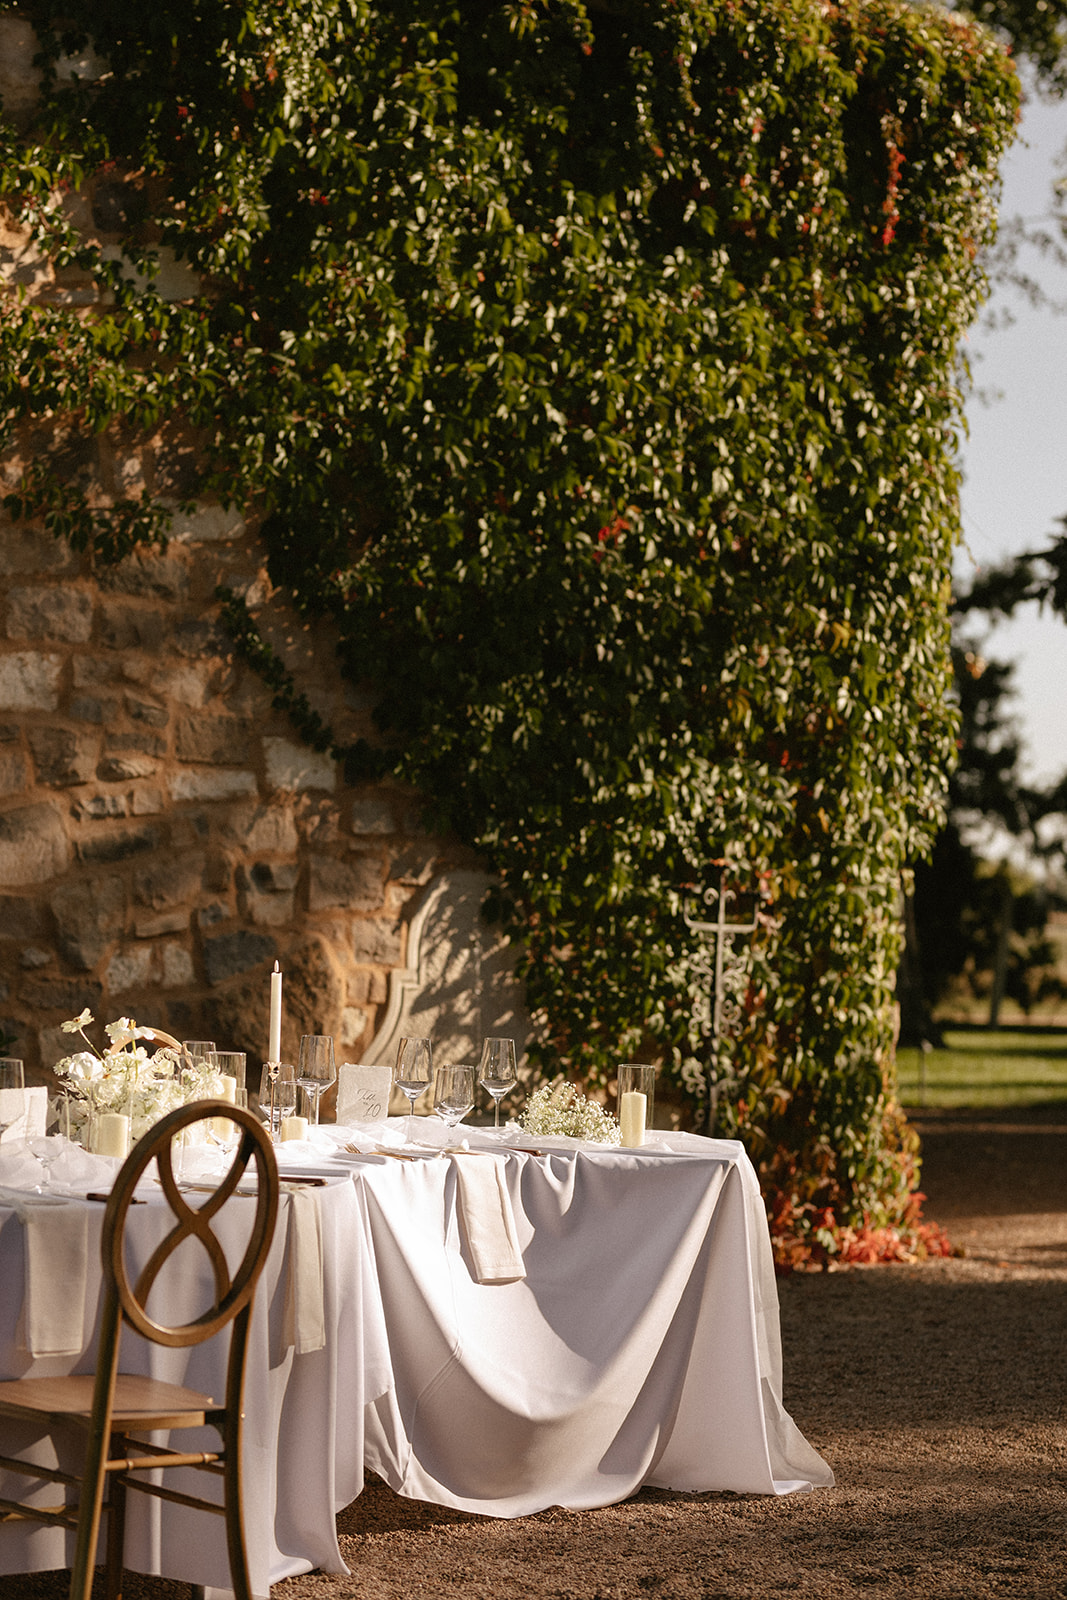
x: 641, y: 1347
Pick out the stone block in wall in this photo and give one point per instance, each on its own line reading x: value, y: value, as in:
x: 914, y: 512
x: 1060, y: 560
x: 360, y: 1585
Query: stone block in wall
x: 98, y: 807
x: 63, y: 757
x: 148, y: 575
x: 128, y: 627
x: 29, y: 681
x: 58, y: 614
x: 31, y: 551
x: 355, y: 883
x: 178, y: 971
x: 14, y: 770
x: 89, y: 913
x: 354, y: 1023
x: 23, y: 917
x: 314, y: 993
x: 120, y: 845
x: 187, y: 682
x: 151, y: 926
x: 196, y: 636
x: 88, y: 708
x: 133, y: 967
x: 227, y: 955
x: 152, y: 713
x: 19, y: 79
x: 376, y: 939
x: 206, y: 525
x: 120, y: 768
x: 217, y: 784
x: 261, y: 830
x: 33, y: 845
x: 372, y: 814
x: 165, y: 885
x: 220, y: 741
x: 68, y: 996
x: 295, y: 768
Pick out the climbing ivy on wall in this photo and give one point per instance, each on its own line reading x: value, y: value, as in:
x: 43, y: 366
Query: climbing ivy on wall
x: 593, y: 370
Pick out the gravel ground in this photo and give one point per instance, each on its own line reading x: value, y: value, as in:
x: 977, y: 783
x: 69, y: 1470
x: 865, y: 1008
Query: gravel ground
x: 936, y: 1392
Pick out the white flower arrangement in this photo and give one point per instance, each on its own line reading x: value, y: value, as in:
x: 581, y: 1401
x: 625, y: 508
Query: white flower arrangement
x: 557, y: 1108
x: 126, y: 1079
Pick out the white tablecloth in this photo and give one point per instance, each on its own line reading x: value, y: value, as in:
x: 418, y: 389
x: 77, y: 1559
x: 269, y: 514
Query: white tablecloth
x: 641, y: 1348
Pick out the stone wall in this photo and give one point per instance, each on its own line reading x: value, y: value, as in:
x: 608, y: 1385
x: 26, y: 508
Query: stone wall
x: 164, y: 837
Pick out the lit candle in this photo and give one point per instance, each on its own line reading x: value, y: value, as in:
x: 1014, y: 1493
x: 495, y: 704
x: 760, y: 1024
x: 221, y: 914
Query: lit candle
x: 632, y: 1119
x: 294, y: 1128
x: 274, y: 1051
x: 113, y: 1135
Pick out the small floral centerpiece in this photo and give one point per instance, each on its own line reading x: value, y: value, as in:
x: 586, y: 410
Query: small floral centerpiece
x: 126, y: 1079
x: 557, y: 1108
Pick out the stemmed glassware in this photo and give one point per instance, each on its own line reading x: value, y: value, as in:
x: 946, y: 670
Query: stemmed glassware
x: 11, y: 1077
x: 497, y: 1072
x: 317, y: 1070
x: 453, y: 1094
x: 48, y: 1149
x: 222, y: 1131
x: 414, y: 1068
x: 277, y: 1095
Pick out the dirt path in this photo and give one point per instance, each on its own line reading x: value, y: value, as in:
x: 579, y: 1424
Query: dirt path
x: 936, y: 1392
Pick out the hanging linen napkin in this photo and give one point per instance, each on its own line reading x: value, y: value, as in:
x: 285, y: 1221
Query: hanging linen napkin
x: 23, y: 1113
x: 57, y: 1248
x: 486, y: 1216
x: 305, y: 1315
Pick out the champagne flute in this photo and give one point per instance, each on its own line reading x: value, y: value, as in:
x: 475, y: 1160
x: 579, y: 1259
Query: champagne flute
x: 414, y: 1067
x: 317, y: 1069
x: 497, y: 1072
x: 453, y: 1094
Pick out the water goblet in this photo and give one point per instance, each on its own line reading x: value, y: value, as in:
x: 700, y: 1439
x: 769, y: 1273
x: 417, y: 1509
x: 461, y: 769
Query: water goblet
x: 453, y: 1094
x: 496, y: 1072
x: 48, y: 1148
x: 317, y: 1069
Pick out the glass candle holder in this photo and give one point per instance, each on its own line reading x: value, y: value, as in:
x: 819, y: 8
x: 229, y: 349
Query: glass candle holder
x: 636, y: 1099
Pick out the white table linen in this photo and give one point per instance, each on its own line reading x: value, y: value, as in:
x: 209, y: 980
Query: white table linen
x: 642, y: 1346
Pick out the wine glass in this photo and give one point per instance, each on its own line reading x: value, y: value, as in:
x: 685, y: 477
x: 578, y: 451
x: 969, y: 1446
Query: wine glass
x: 11, y: 1077
x: 414, y: 1068
x: 317, y: 1070
x: 496, y: 1073
x: 46, y: 1148
x: 453, y: 1093
x: 223, y: 1131
x: 277, y: 1094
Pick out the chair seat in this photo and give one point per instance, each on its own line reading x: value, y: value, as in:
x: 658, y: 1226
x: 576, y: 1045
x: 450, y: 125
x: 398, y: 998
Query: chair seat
x: 140, y: 1403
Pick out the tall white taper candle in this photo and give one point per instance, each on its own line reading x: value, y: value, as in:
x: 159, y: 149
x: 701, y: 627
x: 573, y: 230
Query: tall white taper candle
x: 274, y: 1050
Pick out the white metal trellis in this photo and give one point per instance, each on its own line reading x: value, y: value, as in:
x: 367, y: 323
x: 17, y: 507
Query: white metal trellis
x: 720, y: 931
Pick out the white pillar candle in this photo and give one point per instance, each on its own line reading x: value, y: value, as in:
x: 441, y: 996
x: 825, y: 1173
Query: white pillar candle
x: 274, y: 1049
x: 113, y: 1135
x: 632, y: 1119
x: 228, y: 1090
x: 294, y: 1128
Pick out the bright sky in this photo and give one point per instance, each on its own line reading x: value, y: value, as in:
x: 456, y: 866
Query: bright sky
x: 1015, y: 461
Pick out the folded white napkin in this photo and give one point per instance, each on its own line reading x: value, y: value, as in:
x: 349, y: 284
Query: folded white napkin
x: 25, y: 1111
x: 57, y: 1248
x: 305, y: 1316
x: 362, y: 1093
x: 486, y: 1216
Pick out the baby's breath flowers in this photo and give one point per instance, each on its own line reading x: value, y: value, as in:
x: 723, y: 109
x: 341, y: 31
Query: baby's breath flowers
x: 126, y: 1079
x: 558, y: 1109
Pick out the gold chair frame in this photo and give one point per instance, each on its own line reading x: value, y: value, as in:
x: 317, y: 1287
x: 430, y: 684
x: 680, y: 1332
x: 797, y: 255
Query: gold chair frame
x: 113, y: 1407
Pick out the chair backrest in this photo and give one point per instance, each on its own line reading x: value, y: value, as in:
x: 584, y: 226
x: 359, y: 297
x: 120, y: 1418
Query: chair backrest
x: 233, y: 1291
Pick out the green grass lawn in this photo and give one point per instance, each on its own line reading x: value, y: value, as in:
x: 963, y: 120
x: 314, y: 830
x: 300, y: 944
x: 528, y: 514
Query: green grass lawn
x: 1011, y: 1067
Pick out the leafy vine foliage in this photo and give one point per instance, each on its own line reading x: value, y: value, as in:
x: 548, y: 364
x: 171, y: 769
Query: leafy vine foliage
x: 592, y: 369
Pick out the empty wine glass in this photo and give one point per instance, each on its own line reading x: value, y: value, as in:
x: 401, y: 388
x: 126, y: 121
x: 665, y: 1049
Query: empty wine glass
x: 496, y: 1072
x: 277, y: 1094
x: 223, y: 1131
x: 414, y: 1068
x: 46, y: 1148
x: 198, y: 1049
x: 11, y: 1077
x: 453, y: 1093
x: 317, y: 1070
